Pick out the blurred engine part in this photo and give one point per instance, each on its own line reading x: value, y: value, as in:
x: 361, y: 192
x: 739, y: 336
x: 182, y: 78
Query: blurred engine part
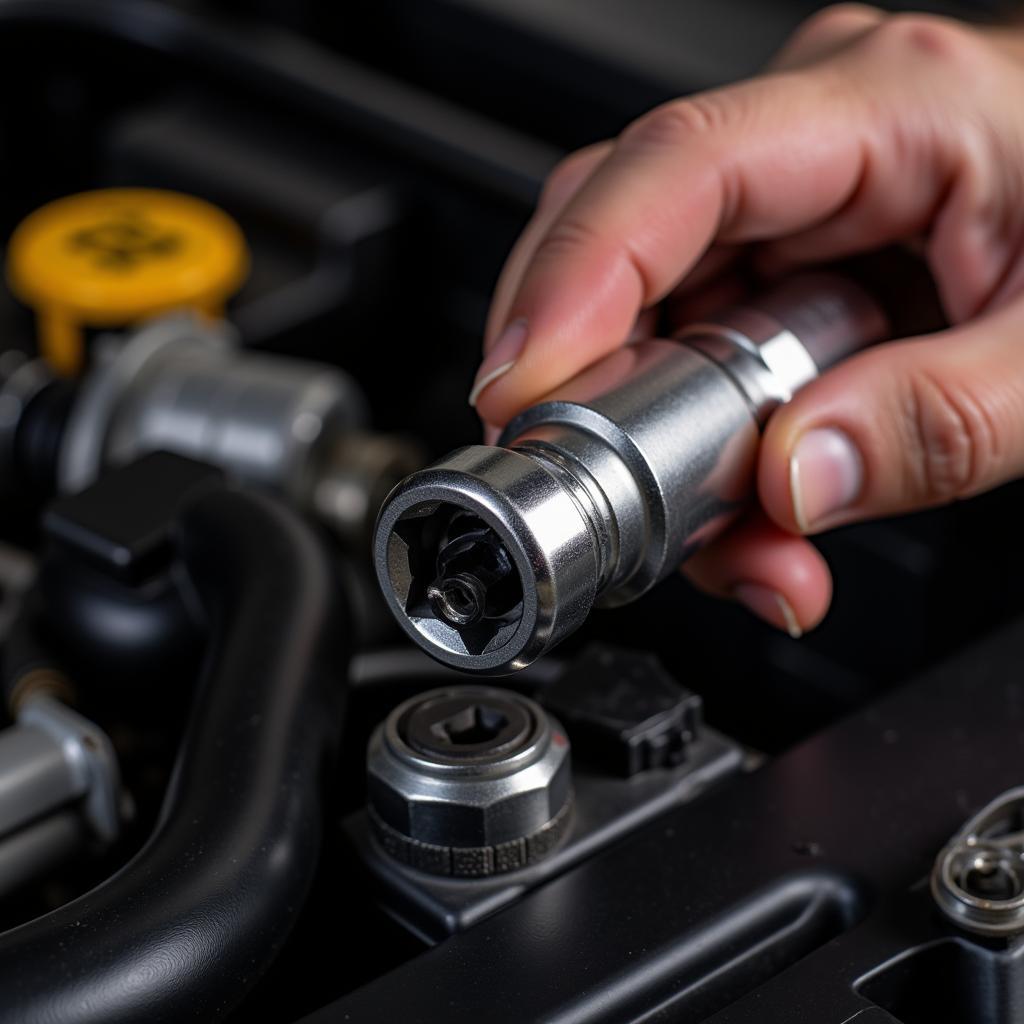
x: 328, y: 226
x: 243, y: 816
x: 493, y: 555
x: 112, y: 257
x: 181, y: 384
x: 604, y: 60
x: 60, y: 788
x: 17, y: 572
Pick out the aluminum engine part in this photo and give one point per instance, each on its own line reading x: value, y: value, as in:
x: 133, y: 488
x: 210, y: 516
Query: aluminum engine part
x: 181, y: 384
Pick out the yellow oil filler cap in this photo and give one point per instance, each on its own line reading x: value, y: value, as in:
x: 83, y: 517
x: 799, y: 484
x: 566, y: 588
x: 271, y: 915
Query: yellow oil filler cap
x: 115, y: 256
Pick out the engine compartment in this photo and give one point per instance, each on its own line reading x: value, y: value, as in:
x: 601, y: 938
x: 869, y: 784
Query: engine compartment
x: 755, y: 817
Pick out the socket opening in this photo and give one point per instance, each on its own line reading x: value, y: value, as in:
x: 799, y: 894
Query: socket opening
x: 454, y: 577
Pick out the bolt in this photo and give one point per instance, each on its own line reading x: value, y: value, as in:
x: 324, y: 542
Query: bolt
x: 475, y: 580
x: 460, y: 599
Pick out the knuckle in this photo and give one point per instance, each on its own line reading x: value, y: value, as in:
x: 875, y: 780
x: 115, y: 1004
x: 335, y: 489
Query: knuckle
x: 927, y: 37
x: 680, y: 120
x: 568, y: 237
x: 832, y: 21
x: 953, y: 441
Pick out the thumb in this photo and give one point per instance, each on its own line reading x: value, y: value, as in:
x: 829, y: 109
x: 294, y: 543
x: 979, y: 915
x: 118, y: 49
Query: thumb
x: 904, y: 426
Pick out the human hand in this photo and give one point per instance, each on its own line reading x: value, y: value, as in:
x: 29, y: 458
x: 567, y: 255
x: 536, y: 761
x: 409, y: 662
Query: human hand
x: 869, y: 129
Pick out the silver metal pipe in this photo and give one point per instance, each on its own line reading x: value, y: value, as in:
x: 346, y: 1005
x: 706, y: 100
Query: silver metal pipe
x: 493, y: 555
x: 40, y: 847
x: 184, y: 385
x: 34, y: 776
x: 53, y: 756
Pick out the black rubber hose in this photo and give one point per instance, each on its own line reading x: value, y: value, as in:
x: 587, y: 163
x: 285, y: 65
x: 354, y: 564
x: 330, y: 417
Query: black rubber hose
x: 190, y: 923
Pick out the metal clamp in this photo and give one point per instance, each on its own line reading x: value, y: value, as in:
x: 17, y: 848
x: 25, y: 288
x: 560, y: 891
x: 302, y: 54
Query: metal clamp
x: 978, y: 878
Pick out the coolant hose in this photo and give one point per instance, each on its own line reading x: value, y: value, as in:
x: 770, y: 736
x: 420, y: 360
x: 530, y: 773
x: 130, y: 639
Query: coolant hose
x: 192, y: 921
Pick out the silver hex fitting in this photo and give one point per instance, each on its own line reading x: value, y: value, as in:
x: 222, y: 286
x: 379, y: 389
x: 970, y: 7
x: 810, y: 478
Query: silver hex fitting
x: 493, y: 555
x: 469, y: 781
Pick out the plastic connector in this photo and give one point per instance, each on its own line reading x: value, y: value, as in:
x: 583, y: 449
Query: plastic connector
x: 625, y: 713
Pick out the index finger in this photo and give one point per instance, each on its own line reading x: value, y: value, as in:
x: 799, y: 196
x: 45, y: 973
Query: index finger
x: 758, y: 160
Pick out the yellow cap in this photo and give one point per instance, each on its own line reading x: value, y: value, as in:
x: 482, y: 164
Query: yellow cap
x: 115, y: 256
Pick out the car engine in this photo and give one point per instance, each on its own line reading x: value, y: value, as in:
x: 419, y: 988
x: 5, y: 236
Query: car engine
x: 317, y: 708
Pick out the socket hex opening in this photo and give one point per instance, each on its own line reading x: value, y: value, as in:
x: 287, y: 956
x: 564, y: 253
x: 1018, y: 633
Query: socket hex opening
x: 485, y: 559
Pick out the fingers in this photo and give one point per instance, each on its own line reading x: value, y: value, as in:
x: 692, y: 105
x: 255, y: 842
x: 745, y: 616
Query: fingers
x: 908, y: 425
x: 942, y: 175
x: 843, y: 156
x: 779, y: 577
x: 825, y: 33
x: 878, y: 142
x: 752, y: 161
x: 562, y: 184
x: 877, y: 129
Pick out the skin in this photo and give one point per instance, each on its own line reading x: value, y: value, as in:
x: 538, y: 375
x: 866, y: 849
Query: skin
x: 868, y: 129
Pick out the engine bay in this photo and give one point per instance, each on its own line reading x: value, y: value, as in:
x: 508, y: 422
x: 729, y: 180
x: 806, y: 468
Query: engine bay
x: 250, y: 250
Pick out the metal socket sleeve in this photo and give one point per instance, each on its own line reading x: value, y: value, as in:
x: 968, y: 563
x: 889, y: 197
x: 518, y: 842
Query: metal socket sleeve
x: 600, y: 491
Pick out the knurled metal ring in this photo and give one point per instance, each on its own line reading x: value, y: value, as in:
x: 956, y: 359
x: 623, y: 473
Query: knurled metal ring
x: 473, y: 861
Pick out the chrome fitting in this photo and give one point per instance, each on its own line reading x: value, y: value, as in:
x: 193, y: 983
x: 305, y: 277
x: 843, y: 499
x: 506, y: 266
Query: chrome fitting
x: 978, y: 878
x: 52, y: 757
x: 184, y: 385
x: 494, y: 554
x: 469, y: 781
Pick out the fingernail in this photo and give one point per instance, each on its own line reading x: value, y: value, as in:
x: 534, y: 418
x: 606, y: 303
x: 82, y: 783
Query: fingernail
x: 769, y: 605
x: 825, y: 476
x: 491, y: 434
x: 500, y: 359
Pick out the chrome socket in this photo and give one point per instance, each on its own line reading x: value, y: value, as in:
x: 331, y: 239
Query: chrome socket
x: 599, y: 492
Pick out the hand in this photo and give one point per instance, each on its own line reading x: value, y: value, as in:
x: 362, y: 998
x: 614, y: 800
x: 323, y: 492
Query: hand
x: 869, y: 129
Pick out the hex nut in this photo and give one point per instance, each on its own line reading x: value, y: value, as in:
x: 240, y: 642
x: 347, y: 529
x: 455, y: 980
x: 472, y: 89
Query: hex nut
x: 469, y: 781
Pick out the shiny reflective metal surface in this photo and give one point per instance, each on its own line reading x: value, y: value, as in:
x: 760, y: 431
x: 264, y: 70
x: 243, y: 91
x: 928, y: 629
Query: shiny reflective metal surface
x: 978, y: 878
x: 183, y: 385
x: 60, y: 789
x: 469, y: 781
x: 604, y: 488
x: 548, y: 534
